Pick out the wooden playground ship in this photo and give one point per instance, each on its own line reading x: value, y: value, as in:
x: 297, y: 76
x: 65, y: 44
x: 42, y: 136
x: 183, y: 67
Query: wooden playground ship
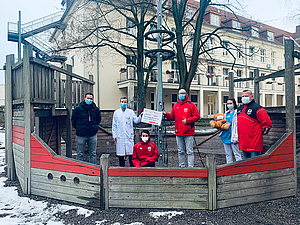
x: 39, y: 101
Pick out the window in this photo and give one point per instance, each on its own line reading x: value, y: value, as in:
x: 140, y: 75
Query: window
x: 251, y: 75
x: 174, y: 99
x: 130, y: 28
x: 239, y: 75
x: 210, y: 70
x: 254, y: 32
x: 191, y: 40
x: 130, y: 59
x: 236, y: 25
x: 194, y: 99
x: 273, y: 58
x: 262, y: 74
x: 189, y: 13
x: 251, y: 53
x: 72, y: 61
x: 225, y: 99
x: 135, y: 108
x: 239, y: 100
x: 225, y: 77
x: 262, y: 55
x: 238, y: 51
x: 152, y: 100
x: 270, y: 36
x: 226, y: 46
x: 214, y: 20
x: 72, y: 28
x: 174, y: 69
x: 210, y: 45
x: 153, y: 27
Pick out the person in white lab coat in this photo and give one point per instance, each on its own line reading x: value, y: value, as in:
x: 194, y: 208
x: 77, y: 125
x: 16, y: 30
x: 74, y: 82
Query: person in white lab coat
x: 122, y: 131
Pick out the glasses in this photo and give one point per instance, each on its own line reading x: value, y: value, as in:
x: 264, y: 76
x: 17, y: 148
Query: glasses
x: 181, y: 93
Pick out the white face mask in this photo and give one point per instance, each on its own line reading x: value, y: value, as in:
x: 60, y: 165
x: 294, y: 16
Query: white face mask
x: 144, y: 139
x: 245, y: 100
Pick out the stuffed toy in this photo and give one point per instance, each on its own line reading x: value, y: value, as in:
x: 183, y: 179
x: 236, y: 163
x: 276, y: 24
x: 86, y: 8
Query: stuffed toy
x: 219, y: 122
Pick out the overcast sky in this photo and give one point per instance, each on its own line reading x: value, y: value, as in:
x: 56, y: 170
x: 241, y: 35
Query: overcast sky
x: 273, y: 12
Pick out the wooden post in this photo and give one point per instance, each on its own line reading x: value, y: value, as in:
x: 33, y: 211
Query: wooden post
x: 290, y: 97
x: 104, y: 202
x: 212, y: 182
x: 69, y: 109
x: 9, y: 156
x: 231, y: 85
x: 27, y: 53
x: 256, y: 87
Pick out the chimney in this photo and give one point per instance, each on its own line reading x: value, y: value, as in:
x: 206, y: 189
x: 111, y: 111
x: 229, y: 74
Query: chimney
x: 298, y: 30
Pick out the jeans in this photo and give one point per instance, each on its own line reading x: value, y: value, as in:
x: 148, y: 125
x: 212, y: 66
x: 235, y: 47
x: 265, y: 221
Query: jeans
x: 229, y: 148
x: 92, y: 144
x: 249, y: 154
x: 185, y: 142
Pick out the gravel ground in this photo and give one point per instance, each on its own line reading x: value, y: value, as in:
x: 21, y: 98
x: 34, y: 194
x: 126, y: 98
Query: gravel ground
x: 280, y: 211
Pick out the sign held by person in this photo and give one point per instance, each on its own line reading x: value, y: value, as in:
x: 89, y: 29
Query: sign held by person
x: 152, y: 117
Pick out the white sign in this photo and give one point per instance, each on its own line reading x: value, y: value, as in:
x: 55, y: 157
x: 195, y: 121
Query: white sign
x: 152, y: 117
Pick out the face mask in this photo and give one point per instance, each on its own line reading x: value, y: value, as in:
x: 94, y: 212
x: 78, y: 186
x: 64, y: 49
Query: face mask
x: 145, y: 139
x: 123, y: 105
x: 181, y: 97
x: 230, y: 106
x: 88, y: 101
x: 245, y: 100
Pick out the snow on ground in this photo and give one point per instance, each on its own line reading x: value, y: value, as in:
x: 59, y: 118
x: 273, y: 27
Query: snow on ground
x: 15, y: 210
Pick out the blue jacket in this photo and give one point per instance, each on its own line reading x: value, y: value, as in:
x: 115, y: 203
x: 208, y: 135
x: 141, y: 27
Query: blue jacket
x: 85, y: 119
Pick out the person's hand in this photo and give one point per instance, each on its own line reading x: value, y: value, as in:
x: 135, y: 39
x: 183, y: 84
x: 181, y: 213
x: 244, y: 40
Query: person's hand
x: 184, y: 120
x: 266, y: 130
x: 142, y: 114
x: 163, y: 112
x: 115, y: 139
x: 234, y: 142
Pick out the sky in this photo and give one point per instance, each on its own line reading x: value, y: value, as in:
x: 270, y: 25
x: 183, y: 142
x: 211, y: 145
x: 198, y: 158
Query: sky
x: 273, y: 12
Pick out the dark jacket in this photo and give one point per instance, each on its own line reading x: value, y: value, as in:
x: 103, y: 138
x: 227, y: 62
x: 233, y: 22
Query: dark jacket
x: 184, y: 109
x: 251, y: 121
x: 85, y: 119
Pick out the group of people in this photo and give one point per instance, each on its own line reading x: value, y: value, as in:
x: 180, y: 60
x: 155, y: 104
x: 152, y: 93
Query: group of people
x: 248, y: 123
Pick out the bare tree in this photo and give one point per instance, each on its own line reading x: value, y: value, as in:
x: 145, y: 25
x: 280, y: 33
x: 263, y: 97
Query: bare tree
x: 101, y: 27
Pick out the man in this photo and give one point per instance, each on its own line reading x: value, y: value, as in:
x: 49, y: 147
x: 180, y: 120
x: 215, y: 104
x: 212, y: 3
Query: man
x: 122, y: 131
x: 252, y: 122
x: 85, y: 119
x: 145, y: 152
x: 185, y: 114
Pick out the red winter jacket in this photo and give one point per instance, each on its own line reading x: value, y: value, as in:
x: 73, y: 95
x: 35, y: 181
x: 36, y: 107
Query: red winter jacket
x: 144, y: 153
x: 251, y: 121
x: 184, y: 109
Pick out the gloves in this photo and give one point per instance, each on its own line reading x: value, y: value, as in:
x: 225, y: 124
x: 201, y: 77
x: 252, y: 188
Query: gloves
x: 265, y: 131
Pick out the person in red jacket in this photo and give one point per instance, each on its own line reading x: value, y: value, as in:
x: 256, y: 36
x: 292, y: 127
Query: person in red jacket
x: 185, y: 114
x: 252, y: 122
x: 145, y: 152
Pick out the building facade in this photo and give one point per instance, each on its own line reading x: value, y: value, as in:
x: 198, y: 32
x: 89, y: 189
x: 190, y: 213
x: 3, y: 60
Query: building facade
x: 249, y: 45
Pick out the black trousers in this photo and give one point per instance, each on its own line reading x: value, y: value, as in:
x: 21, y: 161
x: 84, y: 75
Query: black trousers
x: 122, y: 161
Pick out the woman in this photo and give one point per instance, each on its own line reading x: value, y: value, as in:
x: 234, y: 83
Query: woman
x: 230, y: 136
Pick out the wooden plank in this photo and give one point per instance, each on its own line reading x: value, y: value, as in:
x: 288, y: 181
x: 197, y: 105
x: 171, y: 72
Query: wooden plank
x: 163, y: 196
x: 8, y: 118
x: 18, y: 123
x: 92, y: 201
x: 255, y: 176
x: 212, y: 183
x: 159, y: 204
x: 257, y: 198
x: 157, y: 188
x: 18, y: 114
x: 254, y: 183
x: 158, y: 180
x: 92, y: 180
x: 68, y: 186
x: 157, y: 172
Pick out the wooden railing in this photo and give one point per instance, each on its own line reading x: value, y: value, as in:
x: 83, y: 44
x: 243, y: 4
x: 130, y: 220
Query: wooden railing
x: 48, y: 84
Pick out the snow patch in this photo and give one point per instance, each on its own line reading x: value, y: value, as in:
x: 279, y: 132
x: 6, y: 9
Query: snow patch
x: 170, y: 214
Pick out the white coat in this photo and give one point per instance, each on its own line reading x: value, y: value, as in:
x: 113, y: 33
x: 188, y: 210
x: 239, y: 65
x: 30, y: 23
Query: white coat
x: 122, y: 129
